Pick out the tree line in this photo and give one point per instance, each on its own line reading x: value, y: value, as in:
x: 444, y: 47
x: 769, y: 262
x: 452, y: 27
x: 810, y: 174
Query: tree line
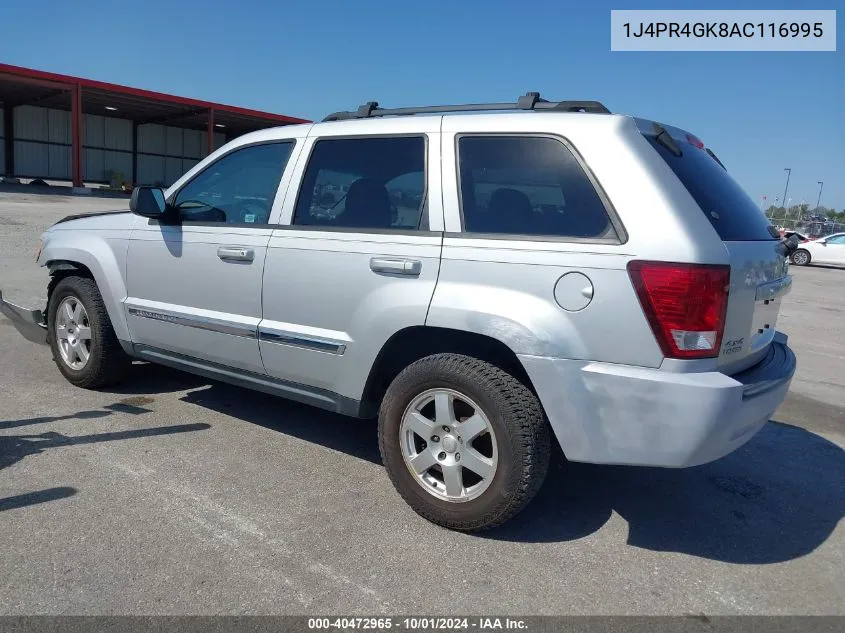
x: 804, y: 212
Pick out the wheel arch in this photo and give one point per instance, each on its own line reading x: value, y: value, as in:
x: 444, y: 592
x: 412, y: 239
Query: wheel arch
x: 802, y: 249
x: 89, y: 256
x: 412, y: 343
x: 58, y: 269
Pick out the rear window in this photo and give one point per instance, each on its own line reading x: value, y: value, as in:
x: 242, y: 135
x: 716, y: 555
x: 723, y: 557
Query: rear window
x: 528, y: 185
x: 730, y: 210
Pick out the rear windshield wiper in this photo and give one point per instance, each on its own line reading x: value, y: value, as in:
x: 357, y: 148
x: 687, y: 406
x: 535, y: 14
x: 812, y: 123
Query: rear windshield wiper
x: 716, y: 158
x: 665, y: 139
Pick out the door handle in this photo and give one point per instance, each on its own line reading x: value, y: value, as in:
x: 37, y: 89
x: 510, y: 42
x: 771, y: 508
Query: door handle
x: 235, y: 254
x: 410, y: 267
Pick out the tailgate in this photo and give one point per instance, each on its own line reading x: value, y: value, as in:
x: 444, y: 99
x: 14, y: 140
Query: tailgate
x: 759, y: 281
x: 759, y: 278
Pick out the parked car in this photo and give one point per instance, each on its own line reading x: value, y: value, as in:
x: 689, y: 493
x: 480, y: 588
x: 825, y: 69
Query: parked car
x: 825, y: 250
x: 524, y: 297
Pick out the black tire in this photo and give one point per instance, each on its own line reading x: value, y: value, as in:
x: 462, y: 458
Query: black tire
x: 801, y: 260
x: 522, y: 432
x: 107, y: 362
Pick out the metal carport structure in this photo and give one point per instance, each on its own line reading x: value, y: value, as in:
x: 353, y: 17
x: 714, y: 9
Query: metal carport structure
x: 84, y: 125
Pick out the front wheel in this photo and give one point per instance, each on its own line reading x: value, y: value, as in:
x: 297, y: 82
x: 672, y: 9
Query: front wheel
x: 84, y: 345
x: 465, y: 444
x: 801, y: 257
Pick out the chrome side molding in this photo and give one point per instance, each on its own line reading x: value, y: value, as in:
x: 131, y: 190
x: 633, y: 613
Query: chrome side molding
x: 195, y: 321
x: 283, y: 337
x: 223, y: 326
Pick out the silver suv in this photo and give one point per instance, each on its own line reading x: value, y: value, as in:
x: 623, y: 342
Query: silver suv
x: 482, y: 278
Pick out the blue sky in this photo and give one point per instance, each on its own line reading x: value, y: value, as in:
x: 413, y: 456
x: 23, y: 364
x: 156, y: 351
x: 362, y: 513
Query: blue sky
x: 760, y: 112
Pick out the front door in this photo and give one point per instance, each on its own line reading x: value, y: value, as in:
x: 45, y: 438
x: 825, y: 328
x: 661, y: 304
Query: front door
x: 194, y: 284
x: 358, y: 261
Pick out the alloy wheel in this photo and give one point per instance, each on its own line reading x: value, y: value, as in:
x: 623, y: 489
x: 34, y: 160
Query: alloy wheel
x: 73, y: 333
x: 448, y: 444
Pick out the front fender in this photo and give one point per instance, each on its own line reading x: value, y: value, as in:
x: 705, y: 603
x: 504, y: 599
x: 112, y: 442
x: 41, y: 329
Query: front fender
x: 104, y: 256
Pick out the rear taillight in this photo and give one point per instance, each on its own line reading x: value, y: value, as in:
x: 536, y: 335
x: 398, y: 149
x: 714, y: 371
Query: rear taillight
x: 685, y: 305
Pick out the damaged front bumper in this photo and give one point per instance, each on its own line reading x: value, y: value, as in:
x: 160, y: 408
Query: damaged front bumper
x: 30, y: 323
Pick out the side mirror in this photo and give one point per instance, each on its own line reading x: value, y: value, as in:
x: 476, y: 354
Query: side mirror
x: 148, y: 202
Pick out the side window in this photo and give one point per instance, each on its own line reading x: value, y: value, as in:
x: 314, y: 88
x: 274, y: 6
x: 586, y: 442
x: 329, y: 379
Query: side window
x: 527, y: 186
x: 839, y: 239
x: 238, y: 188
x: 366, y: 183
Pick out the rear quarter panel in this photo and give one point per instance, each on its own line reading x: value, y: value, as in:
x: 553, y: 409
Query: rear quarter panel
x: 504, y: 286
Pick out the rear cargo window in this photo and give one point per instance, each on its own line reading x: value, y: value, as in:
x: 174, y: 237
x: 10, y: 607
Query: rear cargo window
x: 730, y: 210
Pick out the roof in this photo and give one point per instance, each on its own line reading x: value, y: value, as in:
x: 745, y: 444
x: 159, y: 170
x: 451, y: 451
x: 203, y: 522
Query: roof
x: 20, y: 85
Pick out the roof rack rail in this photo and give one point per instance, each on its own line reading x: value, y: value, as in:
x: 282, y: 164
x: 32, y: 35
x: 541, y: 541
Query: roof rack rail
x: 529, y: 101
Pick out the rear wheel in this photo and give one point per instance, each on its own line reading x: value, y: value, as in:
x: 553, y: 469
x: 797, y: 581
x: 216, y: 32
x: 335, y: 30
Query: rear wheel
x: 84, y: 345
x: 465, y: 444
x: 801, y: 257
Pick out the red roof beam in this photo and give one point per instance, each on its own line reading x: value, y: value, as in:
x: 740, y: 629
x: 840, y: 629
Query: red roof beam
x: 29, y: 75
x: 33, y: 81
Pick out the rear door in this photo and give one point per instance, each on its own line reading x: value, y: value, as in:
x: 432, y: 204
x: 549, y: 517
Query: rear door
x: 359, y: 257
x: 759, y: 277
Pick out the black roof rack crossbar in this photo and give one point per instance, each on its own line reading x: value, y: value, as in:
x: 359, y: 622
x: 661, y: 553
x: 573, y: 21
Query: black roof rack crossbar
x: 529, y: 101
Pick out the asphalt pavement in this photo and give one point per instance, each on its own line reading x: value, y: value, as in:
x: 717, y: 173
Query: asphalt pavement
x: 174, y: 495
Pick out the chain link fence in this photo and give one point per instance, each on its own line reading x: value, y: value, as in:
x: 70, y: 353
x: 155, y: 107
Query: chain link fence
x: 812, y: 226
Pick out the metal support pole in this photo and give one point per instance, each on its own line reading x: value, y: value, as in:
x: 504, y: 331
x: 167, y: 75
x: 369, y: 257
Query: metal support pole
x: 819, y: 201
x: 134, y: 153
x: 76, y: 127
x: 785, y: 189
x: 9, y: 138
x: 210, y: 133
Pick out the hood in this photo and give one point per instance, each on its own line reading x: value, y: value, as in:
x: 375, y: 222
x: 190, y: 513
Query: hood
x: 117, y: 219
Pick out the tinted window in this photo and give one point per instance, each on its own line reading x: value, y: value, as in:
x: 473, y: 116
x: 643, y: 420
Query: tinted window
x: 730, y: 210
x: 838, y: 239
x: 529, y: 186
x: 238, y: 188
x: 367, y: 183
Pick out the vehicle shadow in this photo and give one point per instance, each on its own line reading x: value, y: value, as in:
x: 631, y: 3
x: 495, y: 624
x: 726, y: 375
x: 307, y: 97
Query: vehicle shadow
x: 352, y: 436
x: 826, y: 266
x: 777, y: 498
x: 151, y: 379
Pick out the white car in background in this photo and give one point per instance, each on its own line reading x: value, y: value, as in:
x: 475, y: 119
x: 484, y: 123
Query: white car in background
x: 825, y: 250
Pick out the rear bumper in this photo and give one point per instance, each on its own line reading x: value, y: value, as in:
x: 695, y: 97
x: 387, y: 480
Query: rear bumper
x: 30, y: 323
x: 618, y: 414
